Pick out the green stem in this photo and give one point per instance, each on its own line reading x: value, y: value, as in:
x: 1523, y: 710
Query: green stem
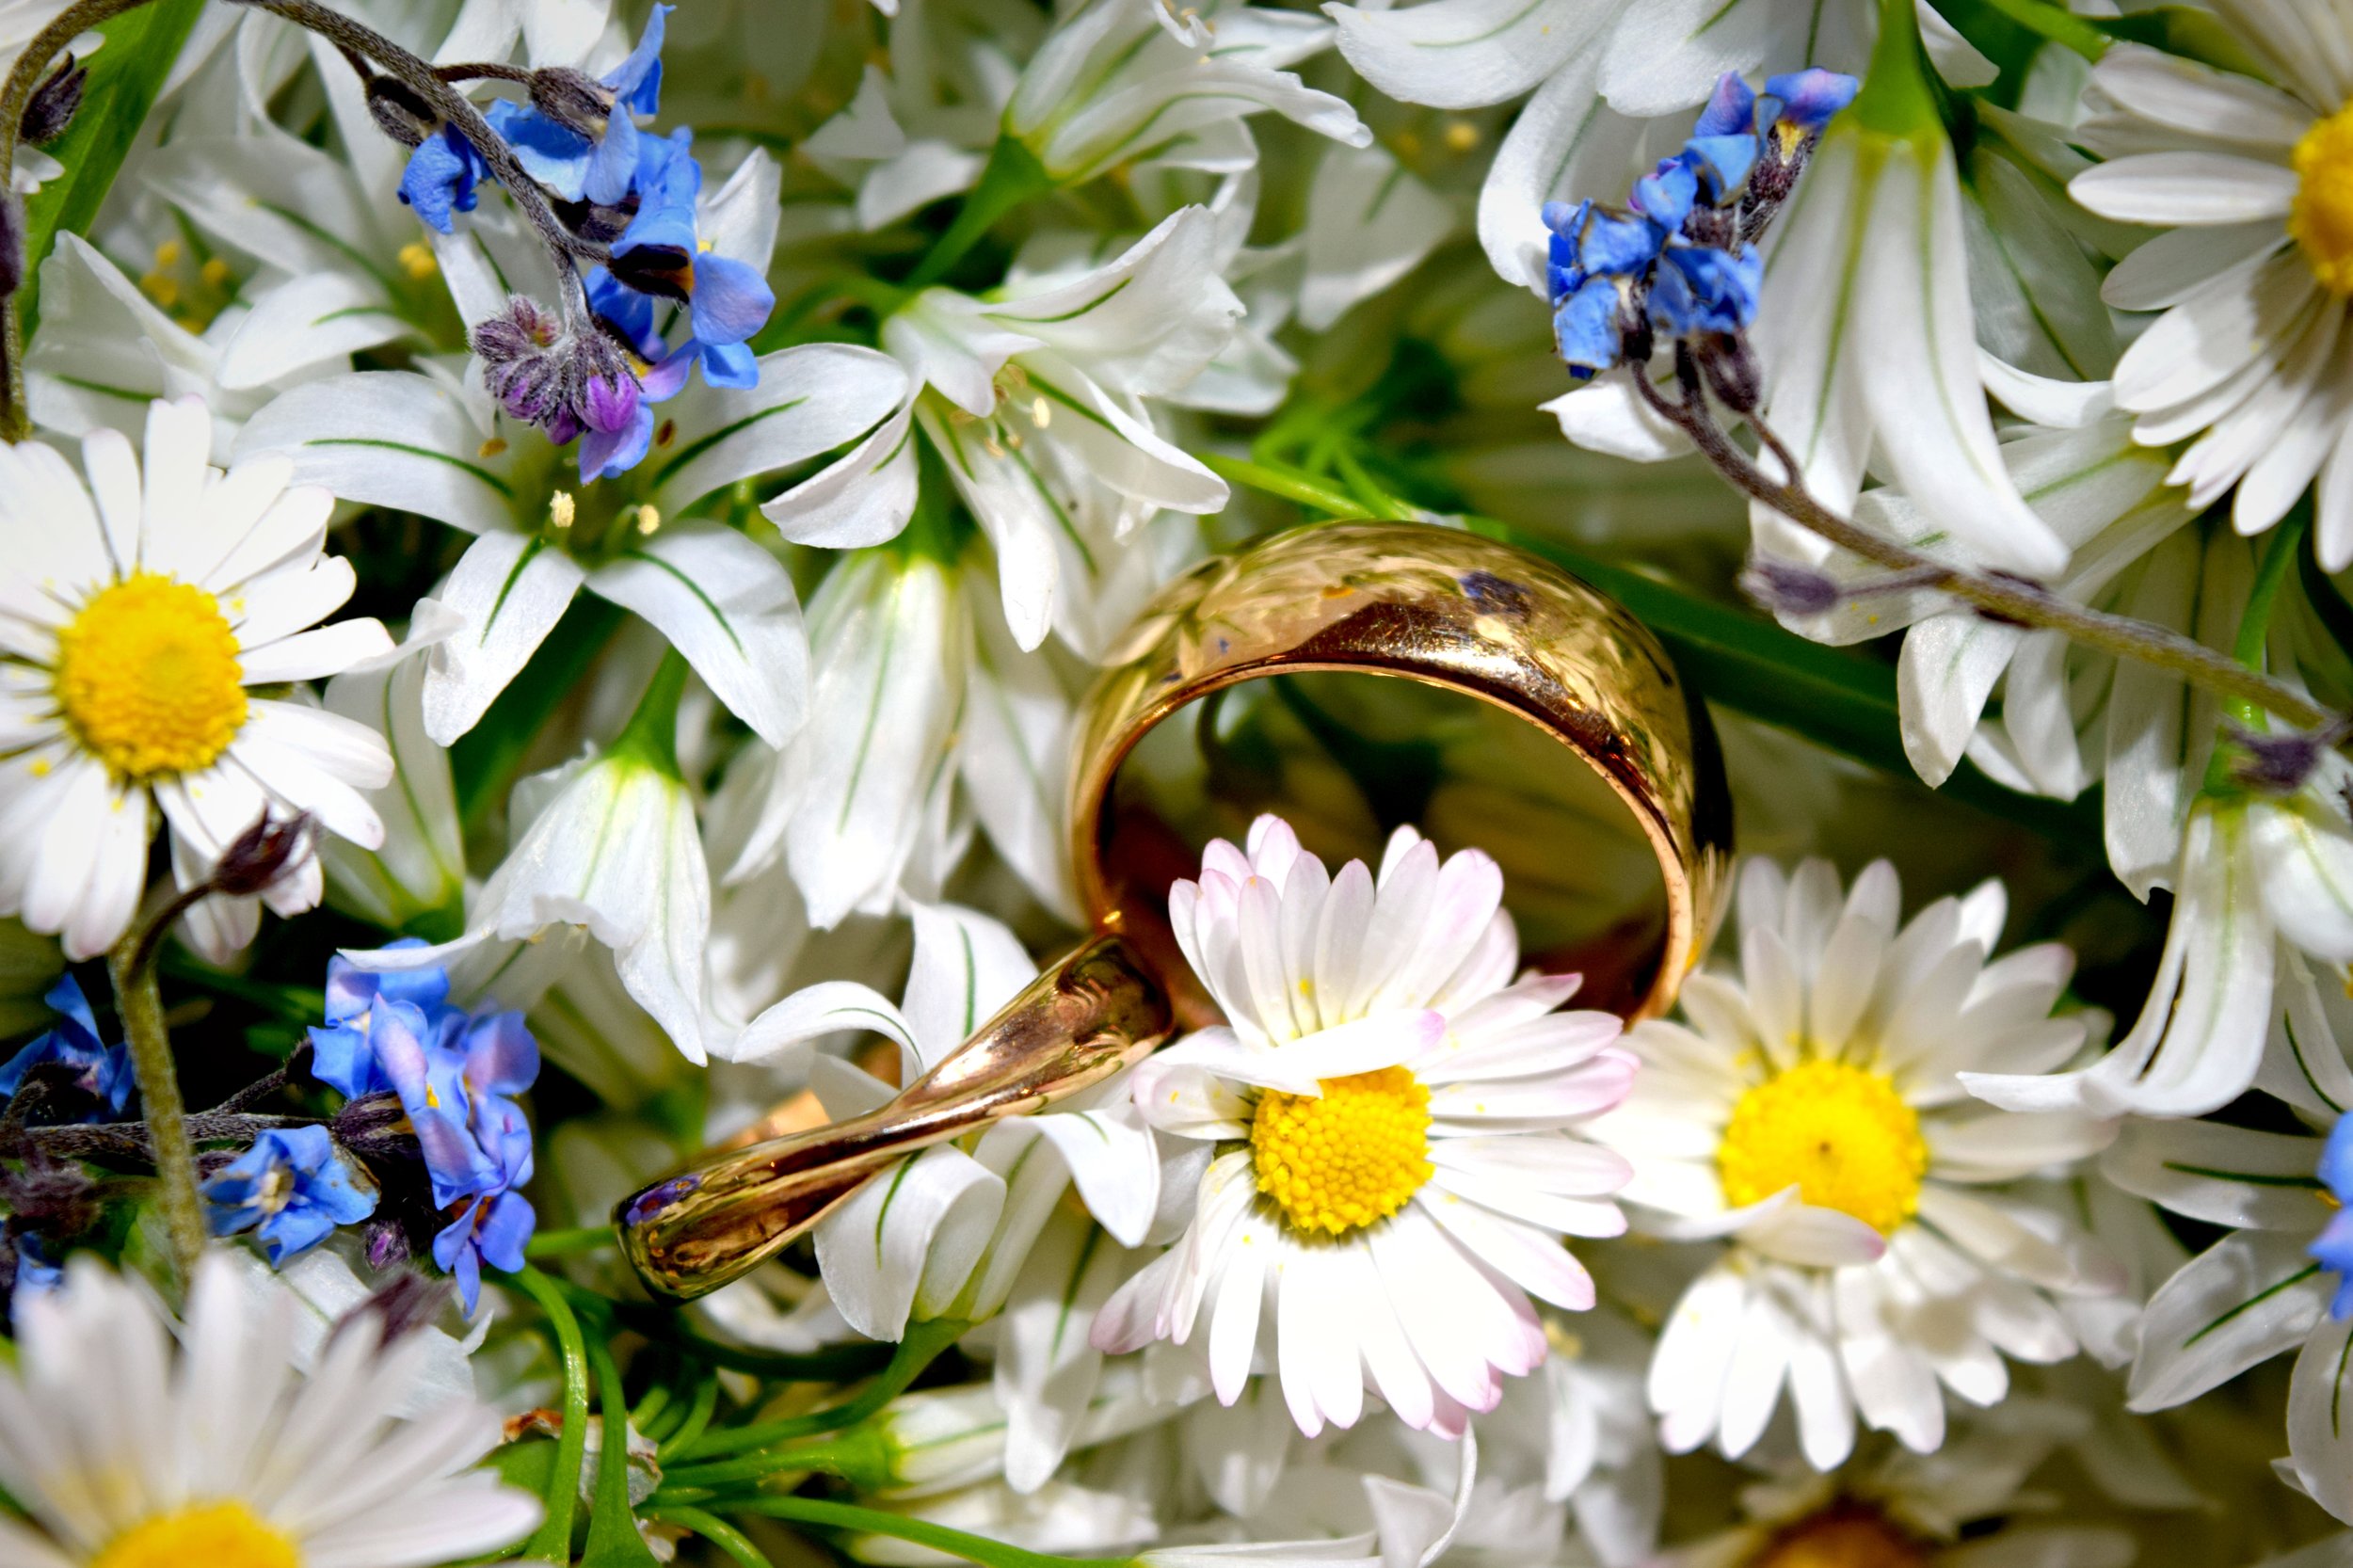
x: 31, y: 69
x: 131, y: 965
x: 697, y: 1418
x: 1011, y: 176
x: 1290, y: 487
x: 566, y: 1243
x: 713, y: 1529
x: 922, y: 1345
x: 1896, y: 98
x: 554, y: 1538
x: 612, y: 1523
x: 651, y: 734
x: 861, y: 1456
x: 2263, y: 600
x: 2055, y: 24
x: 1370, y: 494
x: 972, y: 1548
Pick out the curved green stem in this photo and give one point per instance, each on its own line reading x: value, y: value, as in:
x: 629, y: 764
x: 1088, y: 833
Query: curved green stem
x: 713, y: 1529
x: 554, y: 1538
x: 972, y: 1548
x: 1279, y: 482
x: 922, y: 1346
x: 1011, y: 177
x: 565, y: 1243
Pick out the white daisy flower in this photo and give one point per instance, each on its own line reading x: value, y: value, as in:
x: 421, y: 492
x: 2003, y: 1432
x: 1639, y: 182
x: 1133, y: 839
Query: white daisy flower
x: 1396, y: 1168
x: 2277, y: 1282
x: 2253, y: 180
x: 125, y: 1450
x: 1895, y: 1509
x: 136, y: 613
x: 1809, y: 1111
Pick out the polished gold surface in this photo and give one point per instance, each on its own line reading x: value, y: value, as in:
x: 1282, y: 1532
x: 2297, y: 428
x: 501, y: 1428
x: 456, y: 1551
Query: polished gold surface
x: 1444, y: 609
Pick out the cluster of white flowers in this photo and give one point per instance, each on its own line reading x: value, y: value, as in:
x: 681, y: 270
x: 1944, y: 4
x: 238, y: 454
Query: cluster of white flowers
x: 600, y: 519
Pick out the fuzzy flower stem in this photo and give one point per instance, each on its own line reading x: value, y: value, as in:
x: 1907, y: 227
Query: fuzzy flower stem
x: 456, y: 108
x: 132, y: 968
x: 32, y: 68
x: 1999, y: 596
x: 130, y: 1140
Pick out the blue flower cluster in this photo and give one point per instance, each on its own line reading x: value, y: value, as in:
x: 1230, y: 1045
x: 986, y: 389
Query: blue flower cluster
x: 2333, y: 1248
x: 292, y: 1188
x: 456, y: 1075
x: 101, y: 1071
x: 1679, y: 259
x: 610, y: 180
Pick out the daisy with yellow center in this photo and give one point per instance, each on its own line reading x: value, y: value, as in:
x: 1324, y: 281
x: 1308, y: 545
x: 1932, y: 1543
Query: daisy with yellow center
x: 2252, y: 178
x: 140, y: 606
x: 130, y: 1442
x: 1809, y: 1111
x: 1392, y: 1120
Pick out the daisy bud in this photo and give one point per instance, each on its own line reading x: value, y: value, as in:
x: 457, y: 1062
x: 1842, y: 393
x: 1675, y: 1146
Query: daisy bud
x: 51, y: 109
x: 262, y: 852
x: 572, y: 99
x: 399, y: 113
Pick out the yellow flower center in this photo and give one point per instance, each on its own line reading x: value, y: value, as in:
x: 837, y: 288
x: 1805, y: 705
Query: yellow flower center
x: 218, y: 1535
x: 148, y: 678
x: 2321, y: 217
x: 1348, y: 1160
x: 1842, y: 1136
x: 1844, y: 1535
x: 418, y: 260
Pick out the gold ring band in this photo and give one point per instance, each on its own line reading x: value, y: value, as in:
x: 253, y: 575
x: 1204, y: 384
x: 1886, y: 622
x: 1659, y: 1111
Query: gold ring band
x: 1441, y: 608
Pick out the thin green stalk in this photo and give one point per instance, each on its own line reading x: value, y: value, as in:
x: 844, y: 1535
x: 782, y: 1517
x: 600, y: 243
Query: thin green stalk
x: 1011, y: 176
x: 131, y: 965
x: 1290, y: 487
x: 651, y: 734
x: 972, y: 1548
x: 2055, y: 24
x: 554, y: 1538
x: 697, y: 1418
x: 612, y: 1523
x: 2263, y: 600
x: 713, y: 1529
x: 861, y: 1456
x: 922, y: 1345
x: 566, y: 1244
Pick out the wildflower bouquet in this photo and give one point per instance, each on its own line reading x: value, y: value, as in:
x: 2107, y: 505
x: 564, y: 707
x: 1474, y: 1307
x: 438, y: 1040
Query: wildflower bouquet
x: 554, y: 559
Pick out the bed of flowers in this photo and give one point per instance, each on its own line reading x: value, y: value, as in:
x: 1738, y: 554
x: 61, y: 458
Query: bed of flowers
x: 553, y: 555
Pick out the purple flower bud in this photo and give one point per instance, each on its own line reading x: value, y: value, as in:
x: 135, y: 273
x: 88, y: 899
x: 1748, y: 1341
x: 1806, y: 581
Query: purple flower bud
x: 263, y: 852
x: 1787, y: 588
x: 609, y: 403
x: 2281, y: 763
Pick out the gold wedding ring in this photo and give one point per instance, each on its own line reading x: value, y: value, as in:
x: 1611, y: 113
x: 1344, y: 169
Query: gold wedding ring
x: 1620, y: 857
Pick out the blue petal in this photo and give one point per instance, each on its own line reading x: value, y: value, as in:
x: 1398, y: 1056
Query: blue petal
x: 502, y: 1058
x: 638, y: 80
x: 1566, y: 220
x: 1617, y: 246
x: 553, y: 154
x: 732, y: 301
x: 730, y: 364
x: 350, y: 988
x: 295, y: 1230
x: 2336, y: 1160
x: 1722, y: 163
x: 1731, y: 108
x: 1586, y: 327
x: 1808, y: 99
x: 342, y: 1057
x: 502, y: 1234
x: 66, y: 998
x: 613, y: 166
x: 1666, y: 197
x: 668, y: 377
x: 439, y: 178
x: 605, y: 453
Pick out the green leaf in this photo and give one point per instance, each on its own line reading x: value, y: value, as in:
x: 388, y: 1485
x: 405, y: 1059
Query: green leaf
x: 1838, y: 699
x: 125, y: 76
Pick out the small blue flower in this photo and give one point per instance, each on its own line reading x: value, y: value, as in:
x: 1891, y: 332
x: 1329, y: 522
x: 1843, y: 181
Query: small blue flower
x: 1586, y: 328
x: 492, y: 1229
x: 292, y: 1188
x: 602, y: 169
x: 101, y: 1071
x: 1721, y: 164
x: 2333, y: 1247
x: 442, y: 173
x: 341, y: 1057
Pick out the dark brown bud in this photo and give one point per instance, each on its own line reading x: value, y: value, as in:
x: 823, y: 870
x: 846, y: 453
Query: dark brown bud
x: 399, y: 112
x: 263, y: 852
x: 572, y: 99
x: 52, y: 105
